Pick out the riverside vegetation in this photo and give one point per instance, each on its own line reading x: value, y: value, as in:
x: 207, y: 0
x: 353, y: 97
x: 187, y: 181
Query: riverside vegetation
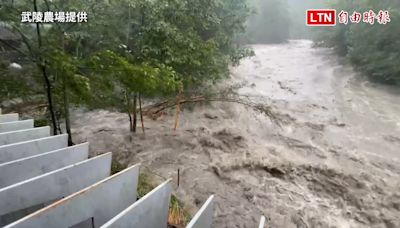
x: 127, y: 51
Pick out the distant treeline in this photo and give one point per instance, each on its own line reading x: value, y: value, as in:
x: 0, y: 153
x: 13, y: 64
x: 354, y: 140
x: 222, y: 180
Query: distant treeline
x: 373, y: 49
x: 276, y: 21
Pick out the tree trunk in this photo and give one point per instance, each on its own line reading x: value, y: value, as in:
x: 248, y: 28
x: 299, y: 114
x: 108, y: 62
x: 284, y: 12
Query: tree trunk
x: 43, y: 68
x: 49, y: 99
x: 130, y: 121
x: 141, y: 113
x: 66, y: 100
x: 66, y: 111
x: 134, y: 112
x: 129, y: 109
x: 67, y: 116
x: 58, y: 123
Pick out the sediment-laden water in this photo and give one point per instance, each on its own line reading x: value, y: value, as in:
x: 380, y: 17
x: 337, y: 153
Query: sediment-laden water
x: 334, y: 161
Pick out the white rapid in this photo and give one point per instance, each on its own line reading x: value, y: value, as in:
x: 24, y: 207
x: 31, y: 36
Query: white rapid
x: 334, y: 162
x: 310, y: 84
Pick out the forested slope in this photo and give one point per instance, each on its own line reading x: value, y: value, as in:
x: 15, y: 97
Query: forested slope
x: 373, y: 49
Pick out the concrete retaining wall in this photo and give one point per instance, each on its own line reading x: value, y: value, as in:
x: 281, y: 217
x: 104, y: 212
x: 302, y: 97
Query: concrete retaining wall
x: 24, y: 135
x: 25, y: 168
x: 90, y: 207
x: 20, y: 150
x: 262, y: 222
x: 9, y: 117
x: 38, y: 170
x: 204, y: 217
x: 151, y: 211
x: 54, y: 185
x: 16, y: 125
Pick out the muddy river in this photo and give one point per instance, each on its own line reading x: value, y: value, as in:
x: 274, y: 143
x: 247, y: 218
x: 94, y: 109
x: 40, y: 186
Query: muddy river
x: 333, y: 162
x: 311, y: 85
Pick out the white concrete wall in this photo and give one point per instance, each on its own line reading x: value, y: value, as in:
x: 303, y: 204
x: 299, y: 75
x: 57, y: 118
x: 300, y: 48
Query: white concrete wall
x: 54, y: 185
x: 262, y: 222
x: 26, y: 168
x: 151, y: 211
x: 101, y: 201
x: 204, y: 217
x: 16, y: 125
x: 24, y: 135
x: 20, y: 150
x: 9, y: 117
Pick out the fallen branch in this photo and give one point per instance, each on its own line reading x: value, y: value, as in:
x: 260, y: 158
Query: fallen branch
x: 155, y: 110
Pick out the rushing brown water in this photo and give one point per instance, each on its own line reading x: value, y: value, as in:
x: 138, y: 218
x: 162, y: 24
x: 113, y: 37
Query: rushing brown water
x: 333, y: 163
x: 311, y: 85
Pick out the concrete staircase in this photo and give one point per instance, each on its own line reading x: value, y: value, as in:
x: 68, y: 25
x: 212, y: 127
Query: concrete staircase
x: 45, y: 184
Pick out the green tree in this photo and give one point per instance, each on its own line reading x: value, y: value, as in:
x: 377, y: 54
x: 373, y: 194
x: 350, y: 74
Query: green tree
x: 373, y: 49
x: 129, y: 49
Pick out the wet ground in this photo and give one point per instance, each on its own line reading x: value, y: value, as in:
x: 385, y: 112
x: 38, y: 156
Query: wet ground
x: 334, y: 162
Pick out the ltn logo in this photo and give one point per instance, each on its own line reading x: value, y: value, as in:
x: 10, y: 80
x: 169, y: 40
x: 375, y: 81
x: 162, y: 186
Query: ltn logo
x: 321, y: 17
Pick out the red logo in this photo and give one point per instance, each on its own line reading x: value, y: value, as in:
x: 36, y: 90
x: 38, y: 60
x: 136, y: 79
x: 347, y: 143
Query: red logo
x: 321, y: 17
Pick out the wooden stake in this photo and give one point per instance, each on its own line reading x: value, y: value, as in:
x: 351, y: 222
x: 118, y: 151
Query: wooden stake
x: 134, y: 112
x: 178, y: 176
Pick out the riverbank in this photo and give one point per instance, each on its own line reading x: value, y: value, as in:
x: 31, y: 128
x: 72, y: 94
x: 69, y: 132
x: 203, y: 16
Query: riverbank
x: 332, y: 163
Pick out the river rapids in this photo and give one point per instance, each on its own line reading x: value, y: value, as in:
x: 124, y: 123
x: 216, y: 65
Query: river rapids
x: 333, y: 162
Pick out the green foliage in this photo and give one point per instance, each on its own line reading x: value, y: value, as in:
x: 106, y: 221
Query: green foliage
x: 178, y: 214
x: 144, y: 185
x: 144, y: 78
x: 64, y: 69
x: 194, y: 38
x: 373, y: 49
x: 17, y: 83
x: 117, y: 167
x: 41, y: 122
x: 149, y: 47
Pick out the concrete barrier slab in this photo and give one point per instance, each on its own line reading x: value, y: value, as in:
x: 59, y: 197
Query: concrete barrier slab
x: 24, y: 135
x: 204, y: 217
x: 24, y: 149
x: 54, y: 185
x: 262, y: 222
x: 151, y: 211
x: 9, y: 117
x: 92, y: 206
x: 16, y: 125
x: 26, y: 168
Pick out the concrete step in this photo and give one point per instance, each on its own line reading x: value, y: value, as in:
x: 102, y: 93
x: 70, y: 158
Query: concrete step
x: 54, y: 185
x: 4, y: 118
x: 33, y: 147
x: 45, y: 183
x: 23, y: 135
x: 16, y: 125
x: 94, y: 205
x: 29, y: 167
